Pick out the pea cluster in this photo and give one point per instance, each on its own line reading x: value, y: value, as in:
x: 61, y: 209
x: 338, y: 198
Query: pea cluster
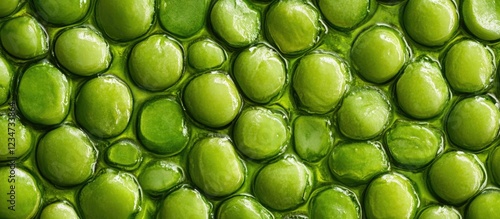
x: 249, y: 109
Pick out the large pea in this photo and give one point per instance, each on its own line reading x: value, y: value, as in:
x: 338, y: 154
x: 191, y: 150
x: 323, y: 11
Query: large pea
x: 59, y: 210
x: 185, y: 203
x: 20, y: 193
x: 243, y: 207
x: 206, y: 54
x: 284, y: 184
x: 160, y: 176
x: 8, y: 7
x: 62, y: 12
x: 24, y: 38
x: 439, y: 212
x: 17, y: 141
x: 345, y: 14
x: 485, y: 205
x: 482, y: 18
x: 335, y: 202
x: 215, y: 167
x: 6, y: 76
x: 183, y: 17
x: 390, y: 195
x: 312, y: 137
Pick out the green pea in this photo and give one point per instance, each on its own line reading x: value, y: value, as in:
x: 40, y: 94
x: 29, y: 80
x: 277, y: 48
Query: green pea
x: 235, y: 21
x: 358, y: 163
x: 183, y: 17
x: 260, y: 133
x: 124, y: 154
x: 6, y: 76
x: 124, y: 20
x: 456, y: 176
x: 20, y: 140
x: 212, y: 99
x: 19, y: 192
x: 112, y: 194
x: 439, y: 212
x: 59, y: 210
x: 473, y: 123
x: 421, y: 90
x: 206, y: 54
x: 215, y: 167
x: 62, y: 12
x: 312, y: 137
x: 185, y: 203
x: 24, y: 38
x: 469, y: 66
x: 293, y: 25
x: 85, y: 45
x: 8, y: 7
x: 494, y: 164
x: 44, y: 94
x: 481, y: 18
x: 485, y: 205
x: 379, y: 53
x: 284, y: 184
x: 335, y: 202
x: 413, y: 145
x: 320, y: 81
x: 345, y: 14
x: 104, y: 106
x: 364, y: 114
x: 66, y: 156
x: 260, y: 73
x: 437, y: 21
x: 162, y: 126
x: 391, y: 195
x: 160, y: 176
x: 243, y: 207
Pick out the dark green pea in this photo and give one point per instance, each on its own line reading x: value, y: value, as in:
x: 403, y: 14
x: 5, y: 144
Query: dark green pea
x: 243, y: 207
x: 482, y: 18
x: 335, y: 202
x: 183, y: 17
x: 8, y: 7
x: 124, y: 154
x: 206, y: 54
x: 185, y: 203
x: 6, y: 76
x: 494, y: 164
x: 312, y: 137
x: 439, y: 212
x: 20, y: 139
x: 59, y: 210
x: 20, y: 193
x: 345, y: 14
x: 485, y: 205
x: 160, y: 176
x: 61, y: 12
x: 24, y: 38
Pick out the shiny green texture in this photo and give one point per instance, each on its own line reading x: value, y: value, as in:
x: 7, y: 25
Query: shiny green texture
x: 6, y: 76
x: 85, y: 45
x: 473, y: 123
x: 335, y: 202
x: 59, y: 210
x: 345, y: 14
x: 124, y: 20
x: 103, y: 106
x: 494, y: 164
x: 482, y: 18
x: 185, y: 203
x: 439, y: 212
x: 485, y: 205
x: 160, y: 176
x: 206, y: 54
x: 111, y: 195
x: 320, y: 81
x: 156, y: 63
x: 43, y: 94
x: 215, y: 167
x: 456, y: 176
x: 242, y: 207
x: 24, y: 38
x: 20, y: 193
x: 183, y: 17
x: 8, y: 7
x: 391, y: 195
x: 161, y: 126
x: 124, y: 154
x: 62, y: 12
x: 18, y: 138
x: 312, y: 137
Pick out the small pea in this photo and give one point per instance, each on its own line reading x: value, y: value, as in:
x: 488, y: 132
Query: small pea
x: 345, y: 14
x: 160, y: 176
x: 62, y: 12
x: 124, y: 154
x: 312, y: 137
x: 439, y: 212
x: 335, y: 202
x: 59, y: 210
x: 18, y: 137
x: 183, y: 18
x: 185, y: 203
x: 243, y: 207
x: 482, y: 18
x: 20, y: 194
x: 24, y: 38
x: 206, y: 54
x: 484, y: 205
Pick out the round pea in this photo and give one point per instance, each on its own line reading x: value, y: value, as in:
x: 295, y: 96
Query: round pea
x: 494, y: 164
x: 156, y: 63
x: 104, y: 106
x: 235, y: 21
x: 110, y: 195
x: 485, y: 205
x: 358, y: 163
x: 293, y: 25
x: 437, y: 21
x: 345, y: 14
x: 439, y: 212
x: 284, y: 184
x: 215, y: 167
x: 212, y: 99
x: 160, y: 176
x: 124, y: 20
x: 87, y: 47
x: 413, y: 145
x: 456, y: 176
x: 185, y: 203
x: 183, y: 18
x: 335, y: 202
x: 206, y: 54
x: 469, y: 66
x: 259, y: 133
x: 8, y: 7
x: 43, y: 94
x: 6, y: 76
x: 24, y: 38
x: 379, y: 53
x: 20, y: 138
x: 421, y: 90
x: 473, y: 123
x: 312, y: 137
x: 482, y: 18
x: 364, y: 114
x: 320, y: 81
x: 243, y: 207
x: 124, y: 154
x: 62, y: 12
x: 20, y: 194
x: 390, y: 195
x: 162, y: 127
x: 59, y: 210
x: 66, y: 156
x: 260, y: 73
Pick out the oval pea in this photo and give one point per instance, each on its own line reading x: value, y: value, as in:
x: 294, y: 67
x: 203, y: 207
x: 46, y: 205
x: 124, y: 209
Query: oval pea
x: 183, y: 18
x: 59, y: 210
x: 24, y: 38
x: 345, y: 14
x: 484, y: 205
x: 185, y: 203
x: 20, y: 192
x: 62, y: 12
x: 312, y: 137
x: 160, y: 176
x: 206, y: 54
x: 8, y: 7
x: 335, y: 202
x: 244, y: 207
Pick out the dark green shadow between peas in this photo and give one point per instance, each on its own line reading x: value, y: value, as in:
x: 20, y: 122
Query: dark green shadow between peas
x: 484, y: 205
x: 185, y: 202
x: 206, y: 54
x: 160, y: 176
x: 183, y: 18
x: 26, y: 195
x: 335, y: 202
x: 242, y: 207
x: 62, y: 12
x: 8, y: 7
x: 22, y: 138
x: 59, y: 210
x: 6, y: 78
x: 312, y: 137
x: 439, y: 212
x: 494, y: 164
x: 346, y: 14
x: 482, y: 18
x: 124, y: 154
x: 24, y: 38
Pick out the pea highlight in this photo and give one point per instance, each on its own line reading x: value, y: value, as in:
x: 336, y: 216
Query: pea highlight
x: 206, y: 54
x: 124, y: 154
x: 59, y: 210
x: 183, y: 18
x: 345, y: 14
x: 26, y: 195
x: 6, y: 76
x: 481, y: 18
x: 437, y: 212
x: 160, y: 176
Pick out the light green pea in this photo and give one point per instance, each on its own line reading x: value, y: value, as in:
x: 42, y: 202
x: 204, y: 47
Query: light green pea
x: 59, y: 210
x: 206, y: 54
x: 242, y: 207
x: 6, y: 76
x: 482, y: 18
x: 312, y: 137
x: 124, y: 154
x: 485, y: 205
x: 335, y: 202
x: 183, y: 18
x: 24, y: 38
x: 439, y: 212
x: 345, y: 14
x: 160, y: 176
x: 18, y: 138
x: 62, y: 12
x: 185, y: 203
x: 20, y: 193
